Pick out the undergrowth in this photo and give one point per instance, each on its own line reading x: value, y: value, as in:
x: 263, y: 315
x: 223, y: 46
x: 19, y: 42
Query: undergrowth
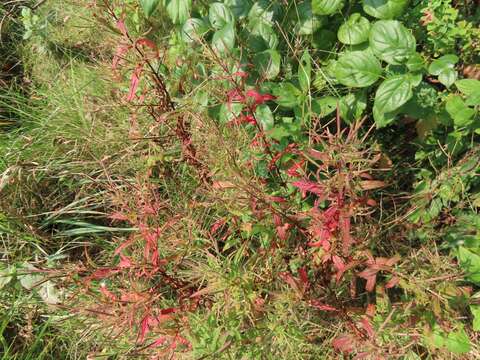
x: 239, y: 180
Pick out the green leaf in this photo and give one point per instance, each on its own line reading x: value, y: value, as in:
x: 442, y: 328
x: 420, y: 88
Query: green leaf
x: 393, y: 92
x: 239, y: 8
x: 357, y: 69
x: 442, y: 64
x: 461, y: 114
x: 355, y: 30
x: 149, y: 6
x: 288, y: 95
x: 262, y: 37
x: 306, y: 23
x: 6, y: 276
x: 384, y: 9
x: 29, y: 276
x: 475, y: 309
x: 193, y: 30
x: 458, y: 342
x: 223, y: 40
x: 468, y: 86
x: 326, y: 7
x: 352, y: 106
x: 392, y: 42
x: 447, y: 77
x: 324, y: 106
x: 179, y: 10
x: 470, y: 263
x: 268, y: 63
x: 305, y: 71
x: 415, y: 62
x: 265, y: 117
x: 471, y: 88
x: 219, y: 15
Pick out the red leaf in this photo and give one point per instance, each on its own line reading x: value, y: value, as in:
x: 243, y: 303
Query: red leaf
x: 217, y: 225
x: 259, y: 98
x: 241, y: 74
x: 119, y: 54
x: 147, y: 42
x: 309, y: 186
x: 302, y: 272
x: 324, y: 307
x: 392, y: 282
x: 343, y: 343
x: 345, y: 225
x: 125, y: 262
x: 144, y: 328
x: 134, y: 82
x: 121, y: 26
x: 293, y: 170
x: 108, y: 294
x: 118, y: 216
x: 159, y: 342
x: 277, y: 199
x: 367, y: 327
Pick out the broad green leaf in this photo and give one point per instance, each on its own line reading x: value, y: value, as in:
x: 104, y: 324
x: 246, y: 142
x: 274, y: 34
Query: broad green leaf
x: 6, y: 276
x: 355, y: 30
x: 415, y: 62
x: 193, y: 30
x: 470, y: 263
x: 357, y: 69
x: 288, y: 95
x: 468, y: 86
x: 239, y: 8
x: 149, y: 6
x: 219, y: 15
x: 265, y: 117
x: 262, y: 37
x: 326, y: 7
x: 352, y: 106
x: 384, y: 9
x: 392, y: 42
x: 475, y: 309
x: 268, y: 63
x: 306, y: 23
x: 393, y: 92
x: 458, y: 342
x: 461, y: 114
x: 179, y: 10
x: 447, y: 77
x: 383, y: 119
x: 325, y: 105
x: 261, y: 12
x: 443, y: 63
x: 305, y: 71
x: 223, y: 40
x: 471, y: 88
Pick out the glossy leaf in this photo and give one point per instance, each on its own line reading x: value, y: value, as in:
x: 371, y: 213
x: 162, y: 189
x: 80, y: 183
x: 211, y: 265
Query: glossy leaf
x: 326, y: 7
x: 392, y: 42
x: 458, y: 342
x: 288, y: 95
x: 355, y: 30
x: 194, y: 29
x: 264, y: 117
x: 470, y: 263
x: 384, y: 9
x: 441, y: 64
x: 461, y: 114
x: 357, y: 69
x: 268, y: 63
x: 219, y: 15
x: 393, y: 92
x: 223, y: 40
x: 179, y: 10
x: 306, y: 23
